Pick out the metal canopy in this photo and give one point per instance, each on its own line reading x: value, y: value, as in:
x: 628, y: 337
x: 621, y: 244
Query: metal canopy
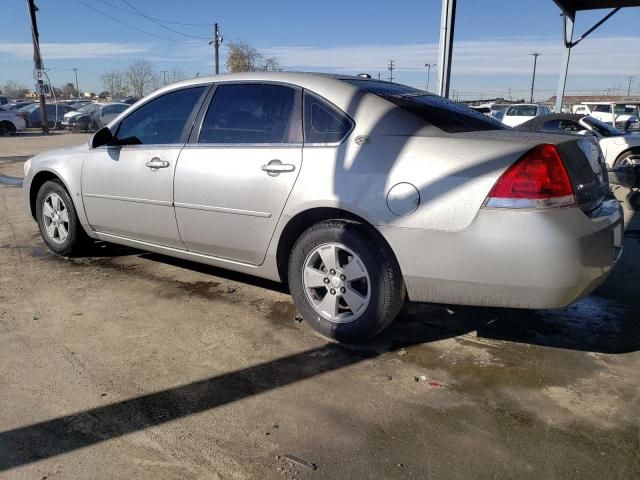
x: 570, y: 7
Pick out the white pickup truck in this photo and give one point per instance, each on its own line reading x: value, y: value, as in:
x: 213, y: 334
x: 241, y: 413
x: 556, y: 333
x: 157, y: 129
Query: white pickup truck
x: 620, y: 115
x: 11, y: 122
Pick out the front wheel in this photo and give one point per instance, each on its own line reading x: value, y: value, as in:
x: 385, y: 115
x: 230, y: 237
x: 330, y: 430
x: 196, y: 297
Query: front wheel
x: 58, y: 221
x: 345, y: 281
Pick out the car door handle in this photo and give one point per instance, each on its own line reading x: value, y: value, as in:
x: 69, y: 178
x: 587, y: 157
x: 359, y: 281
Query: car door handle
x: 276, y: 167
x: 156, y: 163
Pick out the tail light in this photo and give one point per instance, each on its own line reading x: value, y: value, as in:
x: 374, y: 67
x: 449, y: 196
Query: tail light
x: 537, y: 180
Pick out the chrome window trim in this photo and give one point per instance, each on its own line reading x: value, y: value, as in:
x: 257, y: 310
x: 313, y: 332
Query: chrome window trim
x: 243, y: 145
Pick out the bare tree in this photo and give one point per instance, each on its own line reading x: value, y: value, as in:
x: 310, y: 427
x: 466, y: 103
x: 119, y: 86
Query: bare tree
x: 271, y: 64
x: 113, y: 83
x: 70, y: 91
x: 242, y: 57
x: 141, y: 78
x: 14, y: 89
x: 175, y: 75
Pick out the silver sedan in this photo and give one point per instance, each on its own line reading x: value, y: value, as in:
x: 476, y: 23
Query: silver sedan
x: 358, y: 193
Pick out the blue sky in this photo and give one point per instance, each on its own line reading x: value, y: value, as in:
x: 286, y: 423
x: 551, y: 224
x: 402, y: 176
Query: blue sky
x: 493, y: 40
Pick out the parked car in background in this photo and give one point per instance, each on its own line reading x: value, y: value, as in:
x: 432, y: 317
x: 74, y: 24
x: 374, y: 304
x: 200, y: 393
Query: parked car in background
x: 80, y: 103
x: 401, y: 193
x: 620, y: 115
x: 105, y: 113
x: 619, y: 148
x: 4, y: 100
x: 10, y: 107
x: 127, y: 100
x: 522, y: 112
x: 11, y: 122
x: 55, y: 114
x: 71, y: 118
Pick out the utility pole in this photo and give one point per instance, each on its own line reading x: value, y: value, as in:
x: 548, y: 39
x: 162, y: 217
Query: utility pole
x: 429, y: 65
x: 217, y: 40
x: 37, y: 60
x: 533, y: 79
x: 164, y: 76
x: 630, y: 78
x: 391, y: 68
x: 75, y: 70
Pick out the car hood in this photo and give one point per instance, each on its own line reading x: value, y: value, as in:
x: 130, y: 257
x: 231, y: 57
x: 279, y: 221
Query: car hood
x: 60, y: 152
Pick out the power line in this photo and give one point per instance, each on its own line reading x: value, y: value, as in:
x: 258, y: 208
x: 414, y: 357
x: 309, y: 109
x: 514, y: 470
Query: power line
x: 128, y: 25
x: 142, y: 14
x: 155, y: 18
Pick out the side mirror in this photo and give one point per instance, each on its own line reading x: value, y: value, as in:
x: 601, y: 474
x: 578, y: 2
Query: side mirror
x: 102, y: 137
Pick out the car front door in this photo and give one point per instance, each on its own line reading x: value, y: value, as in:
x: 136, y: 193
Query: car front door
x: 233, y: 180
x: 127, y: 188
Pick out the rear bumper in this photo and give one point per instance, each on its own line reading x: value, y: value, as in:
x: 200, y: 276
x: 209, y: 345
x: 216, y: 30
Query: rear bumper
x: 507, y: 258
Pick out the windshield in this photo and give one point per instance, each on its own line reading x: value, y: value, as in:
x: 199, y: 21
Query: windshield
x: 626, y: 109
x: 444, y: 114
x: 604, y: 129
x: 91, y: 107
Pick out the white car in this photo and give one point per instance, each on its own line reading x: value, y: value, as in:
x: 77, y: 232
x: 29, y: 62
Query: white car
x: 616, y: 114
x: 523, y: 112
x: 619, y: 148
x: 87, y: 109
x: 11, y: 122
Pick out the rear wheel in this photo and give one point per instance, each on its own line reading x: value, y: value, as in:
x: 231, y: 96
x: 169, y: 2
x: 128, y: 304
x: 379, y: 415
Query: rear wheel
x: 628, y: 159
x: 58, y: 221
x: 345, y: 281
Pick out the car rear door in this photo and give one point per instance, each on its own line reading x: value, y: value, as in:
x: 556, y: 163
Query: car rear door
x: 127, y: 188
x: 233, y: 179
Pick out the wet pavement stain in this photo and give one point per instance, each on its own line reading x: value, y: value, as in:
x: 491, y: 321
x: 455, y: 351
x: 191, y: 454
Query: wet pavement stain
x: 280, y: 313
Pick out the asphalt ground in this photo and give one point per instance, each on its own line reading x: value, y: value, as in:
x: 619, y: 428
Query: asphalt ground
x: 126, y: 364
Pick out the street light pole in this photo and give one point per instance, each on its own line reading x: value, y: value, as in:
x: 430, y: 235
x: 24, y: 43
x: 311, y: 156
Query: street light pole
x: 533, y: 79
x: 429, y: 65
x: 75, y: 70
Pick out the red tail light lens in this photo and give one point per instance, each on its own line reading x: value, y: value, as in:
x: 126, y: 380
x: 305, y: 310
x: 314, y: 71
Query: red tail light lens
x: 538, y: 180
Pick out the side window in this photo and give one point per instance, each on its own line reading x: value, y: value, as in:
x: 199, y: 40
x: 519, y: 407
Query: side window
x: 323, y: 123
x: 160, y: 121
x: 108, y: 110
x: 253, y: 113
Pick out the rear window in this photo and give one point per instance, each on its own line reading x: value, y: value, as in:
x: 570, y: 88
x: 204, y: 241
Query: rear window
x: 522, y: 111
x: 444, y: 114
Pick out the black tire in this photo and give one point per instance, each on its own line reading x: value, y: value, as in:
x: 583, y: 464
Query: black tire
x: 7, y: 128
x: 622, y: 158
x: 386, y: 284
x: 76, y: 239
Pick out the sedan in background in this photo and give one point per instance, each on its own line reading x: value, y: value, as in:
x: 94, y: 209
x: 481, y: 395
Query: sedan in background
x: 620, y: 148
x: 71, y: 120
x: 356, y: 192
x: 105, y: 113
x: 55, y: 114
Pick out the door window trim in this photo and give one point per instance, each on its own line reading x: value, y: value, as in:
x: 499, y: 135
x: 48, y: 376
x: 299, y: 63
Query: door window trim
x: 188, y: 127
x: 199, y: 121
